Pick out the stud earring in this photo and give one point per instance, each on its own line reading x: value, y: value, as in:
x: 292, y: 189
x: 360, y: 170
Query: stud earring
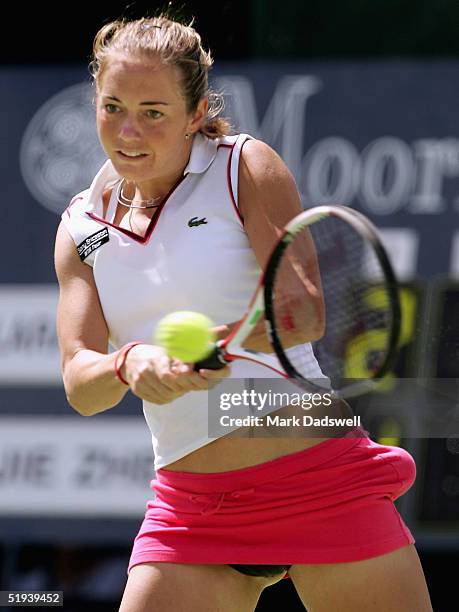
x: 187, y: 136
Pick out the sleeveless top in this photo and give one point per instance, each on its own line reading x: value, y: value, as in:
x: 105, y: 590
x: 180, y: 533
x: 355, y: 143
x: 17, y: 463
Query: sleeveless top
x: 195, y: 256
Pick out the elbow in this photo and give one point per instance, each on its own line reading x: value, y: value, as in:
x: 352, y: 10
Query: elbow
x: 85, y: 392
x: 314, y: 332
x: 70, y: 393
x: 78, y: 405
x: 85, y: 407
x: 77, y: 399
x: 88, y: 404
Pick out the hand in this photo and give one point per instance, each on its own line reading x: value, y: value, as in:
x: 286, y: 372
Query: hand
x: 257, y: 341
x: 213, y: 376
x: 156, y: 378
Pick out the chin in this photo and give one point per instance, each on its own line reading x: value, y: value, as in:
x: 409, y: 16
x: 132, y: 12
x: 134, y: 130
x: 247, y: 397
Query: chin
x: 136, y: 175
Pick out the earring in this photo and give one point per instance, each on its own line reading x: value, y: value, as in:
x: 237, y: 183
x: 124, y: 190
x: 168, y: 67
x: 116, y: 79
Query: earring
x: 187, y: 136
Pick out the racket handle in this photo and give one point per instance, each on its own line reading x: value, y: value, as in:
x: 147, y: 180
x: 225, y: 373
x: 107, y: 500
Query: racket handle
x: 215, y: 361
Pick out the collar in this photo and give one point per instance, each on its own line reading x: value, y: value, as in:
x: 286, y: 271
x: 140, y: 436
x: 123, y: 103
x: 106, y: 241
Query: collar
x: 203, y: 152
x: 106, y: 176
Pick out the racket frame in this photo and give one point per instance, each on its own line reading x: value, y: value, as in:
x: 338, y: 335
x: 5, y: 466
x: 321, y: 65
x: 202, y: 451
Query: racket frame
x: 364, y: 227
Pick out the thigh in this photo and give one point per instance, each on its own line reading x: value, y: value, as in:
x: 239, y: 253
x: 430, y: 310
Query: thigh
x: 393, y: 582
x: 191, y: 588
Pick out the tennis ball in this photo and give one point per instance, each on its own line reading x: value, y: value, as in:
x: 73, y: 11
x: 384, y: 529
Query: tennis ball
x: 186, y: 335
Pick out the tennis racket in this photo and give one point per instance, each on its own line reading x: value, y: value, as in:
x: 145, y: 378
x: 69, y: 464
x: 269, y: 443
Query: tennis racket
x: 361, y: 309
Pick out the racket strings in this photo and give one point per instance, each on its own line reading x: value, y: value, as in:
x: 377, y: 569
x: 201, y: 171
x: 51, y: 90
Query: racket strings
x: 356, y: 298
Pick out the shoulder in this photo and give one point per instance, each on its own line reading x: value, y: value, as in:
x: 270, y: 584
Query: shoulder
x: 84, y: 228
x: 268, y: 196
x: 261, y: 164
x: 254, y: 149
x: 77, y: 205
x: 66, y: 260
x: 75, y: 218
x: 263, y: 175
x: 89, y: 200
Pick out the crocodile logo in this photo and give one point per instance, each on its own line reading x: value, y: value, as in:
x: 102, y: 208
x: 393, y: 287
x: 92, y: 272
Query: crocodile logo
x: 194, y: 222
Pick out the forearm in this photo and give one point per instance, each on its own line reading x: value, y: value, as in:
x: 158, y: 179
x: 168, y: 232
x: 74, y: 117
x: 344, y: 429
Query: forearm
x: 299, y: 319
x: 91, y: 383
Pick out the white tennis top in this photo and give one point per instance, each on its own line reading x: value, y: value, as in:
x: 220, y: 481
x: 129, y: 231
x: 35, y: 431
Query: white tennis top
x: 194, y: 256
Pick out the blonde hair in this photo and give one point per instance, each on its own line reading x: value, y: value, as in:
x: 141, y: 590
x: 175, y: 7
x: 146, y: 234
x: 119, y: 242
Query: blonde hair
x: 175, y: 44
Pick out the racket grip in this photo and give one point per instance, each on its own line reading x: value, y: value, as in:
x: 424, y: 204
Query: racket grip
x: 215, y: 361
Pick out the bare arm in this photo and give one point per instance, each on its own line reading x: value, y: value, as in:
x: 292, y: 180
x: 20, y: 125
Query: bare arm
x: 88, y: 371
x: 268, y: 200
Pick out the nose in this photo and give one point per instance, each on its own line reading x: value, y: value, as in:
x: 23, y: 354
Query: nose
x: 129, y: 130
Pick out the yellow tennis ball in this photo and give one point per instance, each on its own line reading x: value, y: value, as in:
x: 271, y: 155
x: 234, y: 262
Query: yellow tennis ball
x: 186, y: 335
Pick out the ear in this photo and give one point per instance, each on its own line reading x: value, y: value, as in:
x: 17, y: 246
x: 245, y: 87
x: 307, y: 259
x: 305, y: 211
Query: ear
x: 198, y: 117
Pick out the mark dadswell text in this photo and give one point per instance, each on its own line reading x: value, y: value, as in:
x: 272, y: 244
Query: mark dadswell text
x: 291, y: 421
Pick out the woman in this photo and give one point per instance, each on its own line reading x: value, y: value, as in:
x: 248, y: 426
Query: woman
x: 183, y: 217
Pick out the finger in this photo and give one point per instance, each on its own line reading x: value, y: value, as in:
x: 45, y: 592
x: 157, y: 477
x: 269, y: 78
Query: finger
x: 157, y: 397
x: 151, y: 388
x: 153, y: 372
x: 178, y: 367
x: 188, y: 379
x: 215, y: 374
x: 192, y: 382
x: 168, y: 376
x: 153, y: 393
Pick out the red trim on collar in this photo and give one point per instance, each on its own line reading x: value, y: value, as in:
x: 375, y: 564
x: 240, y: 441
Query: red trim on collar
x: 151, y: 226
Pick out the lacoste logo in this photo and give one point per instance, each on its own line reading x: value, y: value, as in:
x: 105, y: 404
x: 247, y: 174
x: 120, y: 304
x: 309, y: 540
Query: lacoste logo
x: 194, y: 222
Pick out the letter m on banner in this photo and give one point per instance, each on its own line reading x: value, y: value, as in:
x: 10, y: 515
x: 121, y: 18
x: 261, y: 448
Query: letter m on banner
x: 284, y: 121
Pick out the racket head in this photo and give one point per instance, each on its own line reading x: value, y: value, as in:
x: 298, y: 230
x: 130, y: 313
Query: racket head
x: 361, y: 301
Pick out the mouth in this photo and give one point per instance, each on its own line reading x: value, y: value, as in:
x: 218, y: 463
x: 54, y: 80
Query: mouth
x: 131, y: 155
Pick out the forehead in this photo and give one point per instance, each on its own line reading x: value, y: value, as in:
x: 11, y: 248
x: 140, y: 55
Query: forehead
x: 146, y: 75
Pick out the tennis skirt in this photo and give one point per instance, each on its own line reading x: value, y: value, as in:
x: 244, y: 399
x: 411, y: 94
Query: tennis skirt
x: 331, y: 503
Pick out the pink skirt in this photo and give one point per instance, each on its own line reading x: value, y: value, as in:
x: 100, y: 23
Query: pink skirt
x: 330, y: 503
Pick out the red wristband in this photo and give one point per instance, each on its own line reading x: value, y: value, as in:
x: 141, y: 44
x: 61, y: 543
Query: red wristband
x: 120, y: 359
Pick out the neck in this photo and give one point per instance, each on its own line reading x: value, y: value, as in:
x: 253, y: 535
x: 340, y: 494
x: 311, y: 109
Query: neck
x: 135, y: 202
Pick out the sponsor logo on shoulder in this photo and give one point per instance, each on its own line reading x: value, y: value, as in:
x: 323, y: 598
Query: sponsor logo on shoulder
x: 194, y: 222
x: 91, y: 243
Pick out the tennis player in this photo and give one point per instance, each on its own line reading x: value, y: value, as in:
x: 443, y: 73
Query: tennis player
x: 182, y: 216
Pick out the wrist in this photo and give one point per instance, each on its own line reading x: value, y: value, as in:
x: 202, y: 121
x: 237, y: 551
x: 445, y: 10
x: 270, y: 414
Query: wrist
x: 120, y: 361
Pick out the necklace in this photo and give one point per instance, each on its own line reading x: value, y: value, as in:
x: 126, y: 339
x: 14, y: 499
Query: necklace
x: 124, y: 201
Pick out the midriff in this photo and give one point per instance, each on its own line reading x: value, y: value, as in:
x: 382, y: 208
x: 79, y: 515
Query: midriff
x: 242, y: 449
x: 229, y: 453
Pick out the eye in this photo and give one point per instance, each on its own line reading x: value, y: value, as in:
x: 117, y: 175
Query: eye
x: 110, y: 108
x: 154, y: 114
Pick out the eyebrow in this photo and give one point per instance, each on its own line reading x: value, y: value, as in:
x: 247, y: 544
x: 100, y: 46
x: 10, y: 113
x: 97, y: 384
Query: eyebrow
x: 146, y: 103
